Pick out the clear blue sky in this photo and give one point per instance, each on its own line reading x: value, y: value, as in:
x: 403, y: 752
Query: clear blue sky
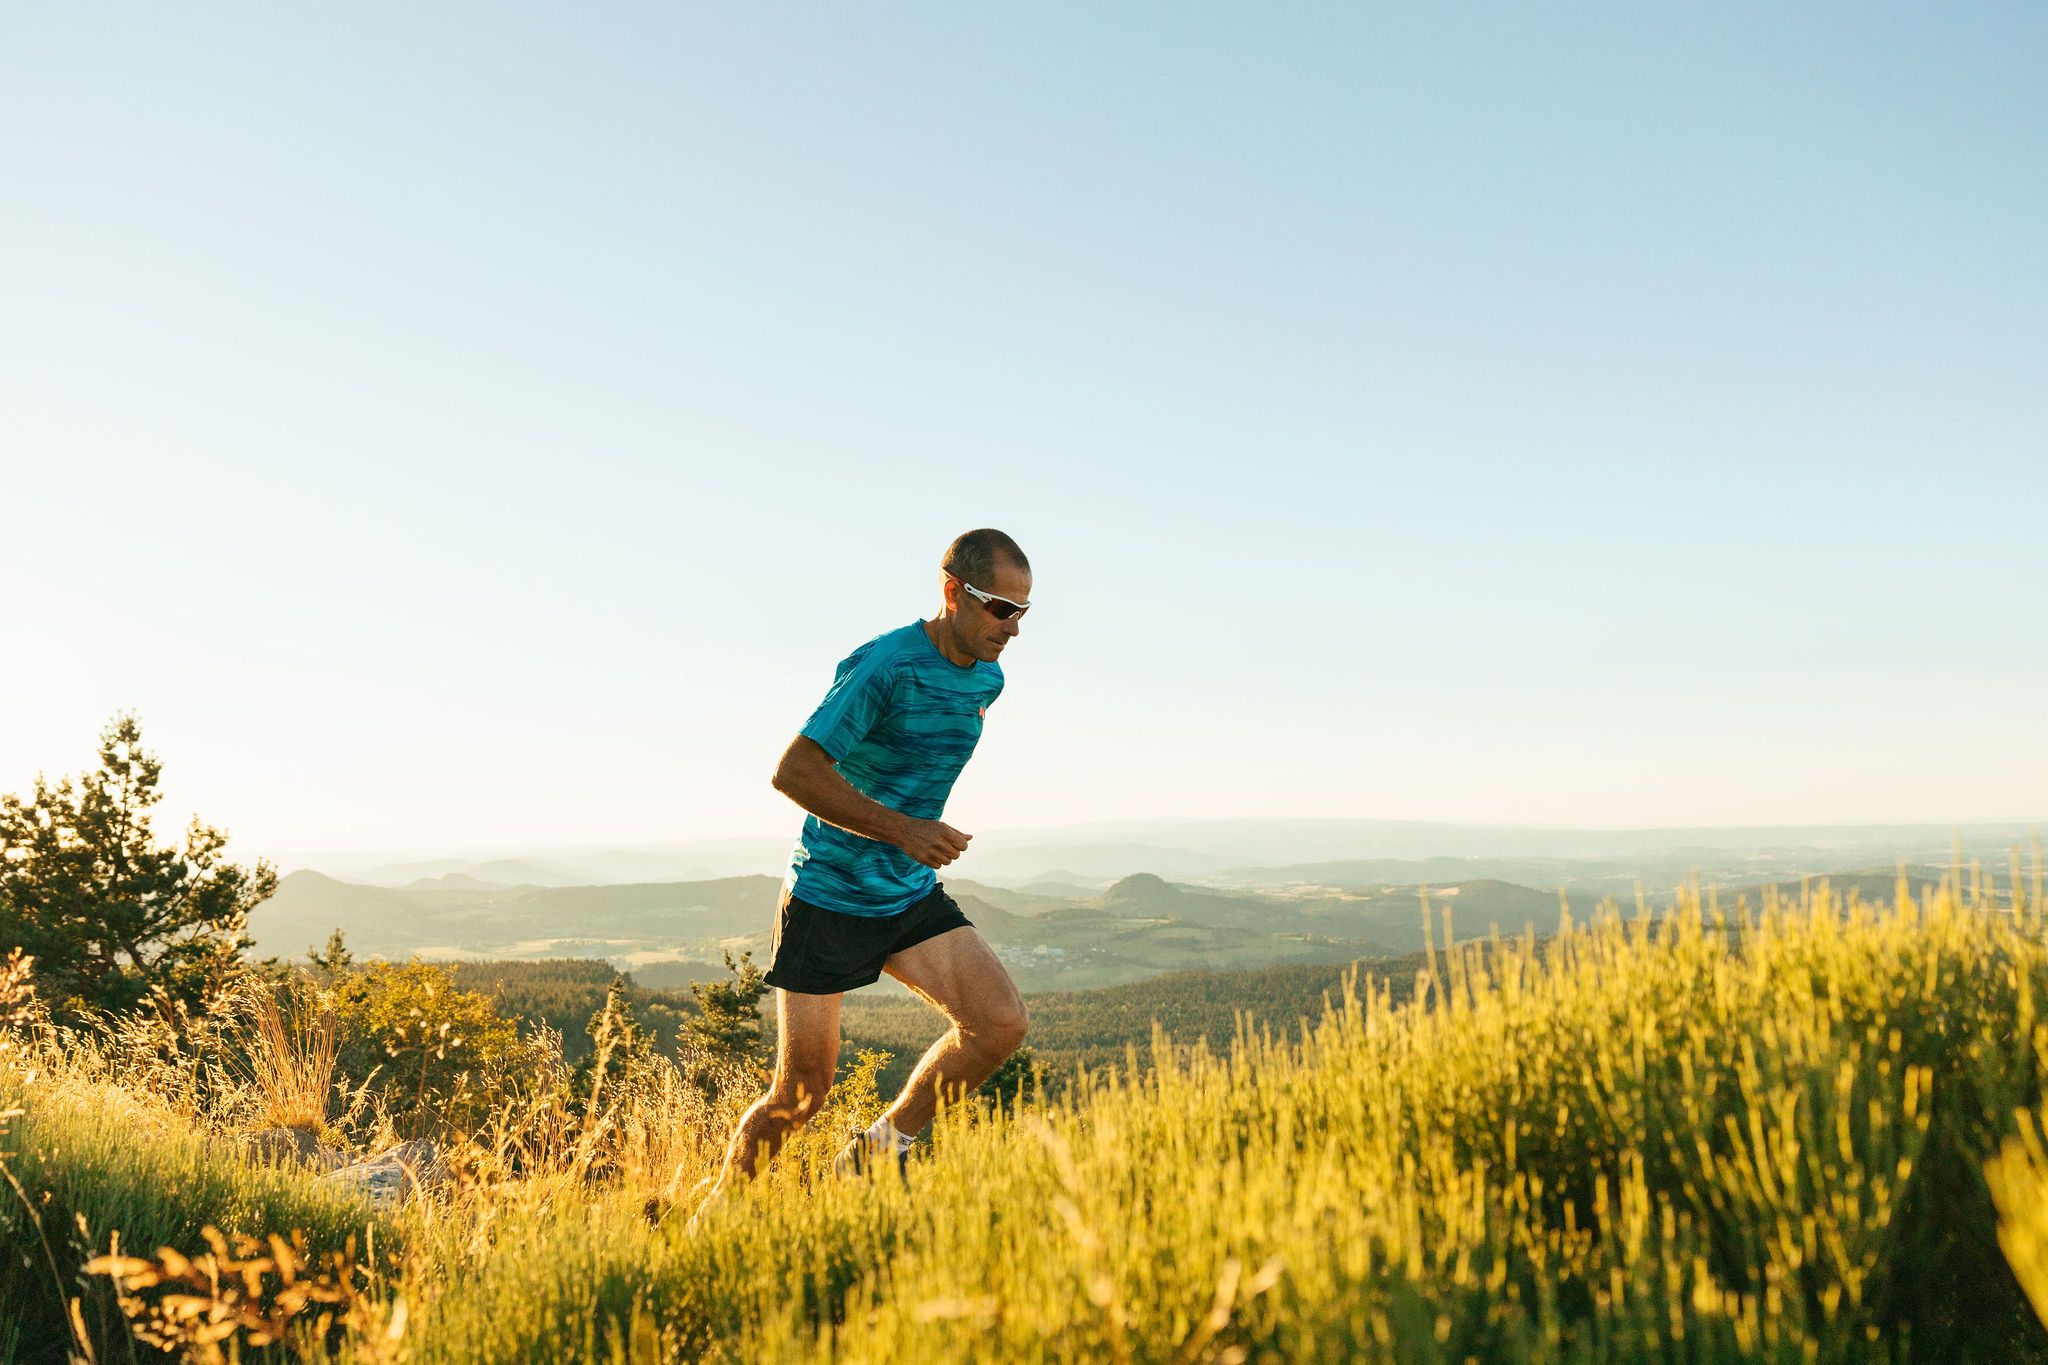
x: 451, y: 424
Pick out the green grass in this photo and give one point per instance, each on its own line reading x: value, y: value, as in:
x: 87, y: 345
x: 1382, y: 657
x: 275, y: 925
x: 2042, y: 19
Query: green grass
x: 94, y: 1160
x: 1643, y: 1145
x: 1703, y: 1138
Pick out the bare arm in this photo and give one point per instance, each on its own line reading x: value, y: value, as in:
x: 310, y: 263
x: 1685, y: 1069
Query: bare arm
x: 808, y: 776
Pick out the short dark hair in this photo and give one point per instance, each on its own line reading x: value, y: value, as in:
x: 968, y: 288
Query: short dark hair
x: 973, y: 556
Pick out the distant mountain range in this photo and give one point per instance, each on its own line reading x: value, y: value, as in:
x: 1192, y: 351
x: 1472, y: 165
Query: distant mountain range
x: 681, y: 929
x: 699, y: 860
x: 1082, y: 860
x: 672, y: 932
x: 1076, y: 910
x: 1289, y: 841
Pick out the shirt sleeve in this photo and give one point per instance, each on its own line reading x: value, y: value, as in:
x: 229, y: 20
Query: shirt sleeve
x: 860, y: 697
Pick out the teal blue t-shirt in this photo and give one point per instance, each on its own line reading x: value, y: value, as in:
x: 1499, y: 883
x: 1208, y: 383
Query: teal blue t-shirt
x: 901, y: 721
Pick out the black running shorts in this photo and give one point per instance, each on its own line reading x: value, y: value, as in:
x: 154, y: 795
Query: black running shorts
x: 822, y: 952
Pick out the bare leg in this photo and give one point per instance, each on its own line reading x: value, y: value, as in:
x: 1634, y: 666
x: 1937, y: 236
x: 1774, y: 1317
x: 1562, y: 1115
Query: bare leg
x: 806, y: 1054
x: 959, y: 975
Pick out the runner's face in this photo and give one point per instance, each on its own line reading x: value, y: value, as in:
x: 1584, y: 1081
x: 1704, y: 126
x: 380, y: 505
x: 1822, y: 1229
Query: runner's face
x: 976, y: 629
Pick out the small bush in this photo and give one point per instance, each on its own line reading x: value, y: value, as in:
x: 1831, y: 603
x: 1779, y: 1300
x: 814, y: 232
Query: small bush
x: 436, y: 1057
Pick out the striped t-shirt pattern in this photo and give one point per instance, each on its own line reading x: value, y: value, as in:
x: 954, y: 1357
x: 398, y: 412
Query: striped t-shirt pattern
x: 901, y: 721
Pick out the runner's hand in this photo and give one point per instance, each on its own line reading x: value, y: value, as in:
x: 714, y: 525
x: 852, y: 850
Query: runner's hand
x: 934, y: 842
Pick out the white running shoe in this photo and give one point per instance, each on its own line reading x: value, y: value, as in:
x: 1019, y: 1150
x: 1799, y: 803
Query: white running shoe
x: 860, y: 1157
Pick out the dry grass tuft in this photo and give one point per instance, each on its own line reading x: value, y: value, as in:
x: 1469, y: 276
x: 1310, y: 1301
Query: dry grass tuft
x: 289, y: 1058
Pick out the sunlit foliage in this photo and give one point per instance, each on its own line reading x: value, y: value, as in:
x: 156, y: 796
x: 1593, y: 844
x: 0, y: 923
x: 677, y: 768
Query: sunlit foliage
x: 1715, y: 1134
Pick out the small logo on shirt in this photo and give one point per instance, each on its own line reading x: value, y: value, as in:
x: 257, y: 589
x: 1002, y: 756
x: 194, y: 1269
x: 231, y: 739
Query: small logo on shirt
x: 981, y: 711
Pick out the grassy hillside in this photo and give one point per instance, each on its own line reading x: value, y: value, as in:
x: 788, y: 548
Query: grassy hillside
x: 101, y: 1165
x: 1762, y: 1140
x: 1642, y: 1147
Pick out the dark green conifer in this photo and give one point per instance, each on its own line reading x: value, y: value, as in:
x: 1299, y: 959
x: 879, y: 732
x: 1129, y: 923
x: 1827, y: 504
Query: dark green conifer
x: 115, y: 921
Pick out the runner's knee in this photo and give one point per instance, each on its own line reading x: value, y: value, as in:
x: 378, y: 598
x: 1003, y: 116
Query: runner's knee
x: 1003, y: 1027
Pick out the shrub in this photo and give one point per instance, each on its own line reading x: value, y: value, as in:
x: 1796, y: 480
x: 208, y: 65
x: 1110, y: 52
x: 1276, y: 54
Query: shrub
x: 436, y: 1057
x: 725, y: 1043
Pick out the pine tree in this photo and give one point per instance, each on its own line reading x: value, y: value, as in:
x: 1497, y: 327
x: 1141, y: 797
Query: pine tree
x: 1015, y: 1081
x: 114, y: 920
x: 617, y: 1041
x: 335, y: 958
x: 727, y: 1032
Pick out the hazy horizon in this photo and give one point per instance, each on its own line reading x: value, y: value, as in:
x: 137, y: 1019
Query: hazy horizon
x: 1014, y: 854
x: 459, y: 427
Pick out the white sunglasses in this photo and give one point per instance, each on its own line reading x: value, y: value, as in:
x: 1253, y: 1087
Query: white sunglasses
x: 1002, y: 612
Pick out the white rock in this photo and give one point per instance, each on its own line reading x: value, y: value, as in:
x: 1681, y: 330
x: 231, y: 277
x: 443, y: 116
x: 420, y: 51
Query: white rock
x: 391, y: 1177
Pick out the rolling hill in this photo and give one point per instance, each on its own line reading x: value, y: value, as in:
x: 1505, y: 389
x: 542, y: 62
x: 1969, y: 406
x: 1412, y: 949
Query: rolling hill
x: 438, y: 920
x: 1140, y: 926
x: 683, y: 928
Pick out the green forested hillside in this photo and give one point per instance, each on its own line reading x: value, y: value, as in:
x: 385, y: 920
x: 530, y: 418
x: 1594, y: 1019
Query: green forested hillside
x: 564, y: 993
x: 1078, y: 947
x: 1015, y: 900
x: 677, y: 977
x: 1383, y: 918
x: 681, y: 930
x: 1098, y: 1028
x: 677, y: 932
x: 510, y: 921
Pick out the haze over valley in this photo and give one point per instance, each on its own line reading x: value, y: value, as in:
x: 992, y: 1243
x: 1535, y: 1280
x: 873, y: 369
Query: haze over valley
x: 1091, y: 906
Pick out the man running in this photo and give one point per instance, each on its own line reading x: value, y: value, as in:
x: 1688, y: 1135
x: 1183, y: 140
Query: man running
x: 873, y: 766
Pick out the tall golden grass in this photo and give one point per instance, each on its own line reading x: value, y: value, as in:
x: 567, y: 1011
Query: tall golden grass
x: 289, y: 1049
x: 1796, y: 1132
